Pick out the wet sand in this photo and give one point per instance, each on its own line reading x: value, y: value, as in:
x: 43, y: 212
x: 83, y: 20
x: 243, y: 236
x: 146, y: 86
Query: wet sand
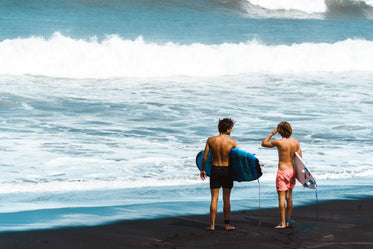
x: 341, y: 224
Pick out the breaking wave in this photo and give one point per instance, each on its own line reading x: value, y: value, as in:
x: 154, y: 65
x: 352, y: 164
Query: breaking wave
x: 62, y: 56
x: 310, y: 8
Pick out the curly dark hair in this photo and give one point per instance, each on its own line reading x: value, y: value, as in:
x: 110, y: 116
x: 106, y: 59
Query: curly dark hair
x: 225, y: 124
x: 284, y: 129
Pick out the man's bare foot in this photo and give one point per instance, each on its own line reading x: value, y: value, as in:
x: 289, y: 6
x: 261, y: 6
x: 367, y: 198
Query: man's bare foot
x: 229, y: 228
x: 210, y: 228
x: 281, y: 226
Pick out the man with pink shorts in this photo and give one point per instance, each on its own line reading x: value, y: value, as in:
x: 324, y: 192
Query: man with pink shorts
x: 285, y: 179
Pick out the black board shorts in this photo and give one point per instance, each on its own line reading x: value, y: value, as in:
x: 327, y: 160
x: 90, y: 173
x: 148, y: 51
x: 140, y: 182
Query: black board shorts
x: 221, y: 176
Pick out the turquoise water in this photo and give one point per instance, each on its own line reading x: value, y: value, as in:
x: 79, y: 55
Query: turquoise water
x: 202, y: 21
x: 246, y: 196
x: 115, y: 99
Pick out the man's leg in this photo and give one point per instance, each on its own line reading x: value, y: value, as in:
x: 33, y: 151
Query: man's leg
x: 213, y: 207
x: 227, y: 208
x: 281, y: 206
x: 289, y: 204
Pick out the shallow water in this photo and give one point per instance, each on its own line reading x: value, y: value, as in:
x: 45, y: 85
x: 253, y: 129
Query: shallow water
x: 115, y: 99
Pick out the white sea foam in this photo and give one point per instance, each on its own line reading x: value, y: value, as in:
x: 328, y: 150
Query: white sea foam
x: 308, y: 6
x: 62, y: 56
x: 126, y: 141
x: 314, y: 6
x: 166, y: 173
x: 124, y: 183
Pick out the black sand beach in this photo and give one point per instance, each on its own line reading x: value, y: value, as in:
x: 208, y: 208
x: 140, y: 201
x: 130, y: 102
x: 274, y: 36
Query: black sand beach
x: 341, y: 224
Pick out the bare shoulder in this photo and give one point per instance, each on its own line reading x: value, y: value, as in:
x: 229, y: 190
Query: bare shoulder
x: 295, y: 144
x: 231, y: 139
x: 295, y: 141
x: 233, y: 142
x: 210, y: 139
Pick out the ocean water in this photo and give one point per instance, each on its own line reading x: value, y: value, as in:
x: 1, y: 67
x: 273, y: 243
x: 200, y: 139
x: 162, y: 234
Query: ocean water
x: 105, y: 104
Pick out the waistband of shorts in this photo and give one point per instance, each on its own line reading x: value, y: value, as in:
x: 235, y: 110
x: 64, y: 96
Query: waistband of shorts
x: 288, y: 169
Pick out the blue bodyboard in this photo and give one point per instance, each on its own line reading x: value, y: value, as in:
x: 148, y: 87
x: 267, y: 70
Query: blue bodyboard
x: 245, y: 165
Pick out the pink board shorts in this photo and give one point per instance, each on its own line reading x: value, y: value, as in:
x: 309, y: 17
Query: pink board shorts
x: 285, y: 179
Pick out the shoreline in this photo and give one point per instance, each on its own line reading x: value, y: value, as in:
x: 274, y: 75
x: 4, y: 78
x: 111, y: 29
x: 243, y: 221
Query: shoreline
x: 341, y: 224
x: 166, y: 202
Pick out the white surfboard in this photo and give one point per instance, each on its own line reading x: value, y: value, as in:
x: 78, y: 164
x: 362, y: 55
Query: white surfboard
x: 302, y: 174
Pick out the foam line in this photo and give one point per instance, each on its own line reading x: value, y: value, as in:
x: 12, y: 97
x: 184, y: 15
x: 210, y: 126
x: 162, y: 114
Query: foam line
x: 62, y: 56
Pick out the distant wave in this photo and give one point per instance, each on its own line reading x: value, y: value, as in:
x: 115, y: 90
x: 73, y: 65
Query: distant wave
x: 61, y: 56
x: 308, y: 6
x: 311, y: 8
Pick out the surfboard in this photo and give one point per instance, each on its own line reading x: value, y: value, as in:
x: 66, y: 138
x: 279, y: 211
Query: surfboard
x: 302, y: 174
x: 245, y: 165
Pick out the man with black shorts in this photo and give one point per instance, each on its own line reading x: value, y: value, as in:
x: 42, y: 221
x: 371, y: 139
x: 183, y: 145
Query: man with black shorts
x: 221, y: 173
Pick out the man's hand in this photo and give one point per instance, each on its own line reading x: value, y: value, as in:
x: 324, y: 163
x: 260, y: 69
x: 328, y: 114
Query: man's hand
x: 203, y: 175
x: 274, y: 131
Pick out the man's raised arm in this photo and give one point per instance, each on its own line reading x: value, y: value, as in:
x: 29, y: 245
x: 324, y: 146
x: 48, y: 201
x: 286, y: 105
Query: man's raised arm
x: 266, y: 142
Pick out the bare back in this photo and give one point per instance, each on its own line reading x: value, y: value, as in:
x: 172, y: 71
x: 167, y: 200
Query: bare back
x: 286, y: 148
x: 220, y: 147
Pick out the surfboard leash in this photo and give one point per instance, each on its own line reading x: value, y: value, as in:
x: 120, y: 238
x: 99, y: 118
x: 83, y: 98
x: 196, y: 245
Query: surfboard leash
x: 311, y: 227
x: 260, y: 215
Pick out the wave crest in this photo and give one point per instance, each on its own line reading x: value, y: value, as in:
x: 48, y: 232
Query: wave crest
x: 61, y: 56
x: 312, y: 8
x: 308, y: 6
